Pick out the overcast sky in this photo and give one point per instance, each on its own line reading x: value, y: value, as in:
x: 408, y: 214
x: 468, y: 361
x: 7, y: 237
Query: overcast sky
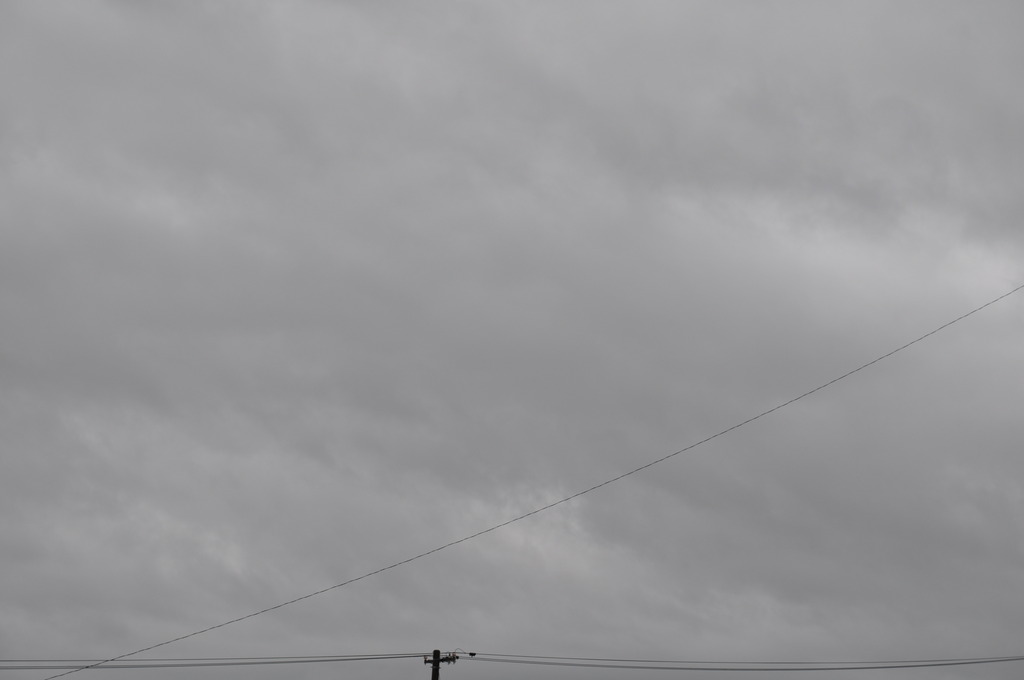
x: 292, y: 291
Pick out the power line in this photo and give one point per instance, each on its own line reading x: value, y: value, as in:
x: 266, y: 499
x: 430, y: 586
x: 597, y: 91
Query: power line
x: 488, y: 656
x: 553, y: 504
x: 352, y: 657
x: 773, y: 666
x: 522, y: 659
x: 208, y: 662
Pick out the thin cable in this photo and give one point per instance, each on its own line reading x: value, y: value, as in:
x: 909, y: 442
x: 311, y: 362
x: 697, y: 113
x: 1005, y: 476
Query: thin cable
x: 553, y: 504
x: 59, y: 664
x: 354, y: 657
x: 556, y: 661
x: 484, y: 656
x: 701, y: 666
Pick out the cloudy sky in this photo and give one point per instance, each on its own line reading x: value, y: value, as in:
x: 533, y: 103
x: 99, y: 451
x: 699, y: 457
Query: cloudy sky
x: 293, y: 291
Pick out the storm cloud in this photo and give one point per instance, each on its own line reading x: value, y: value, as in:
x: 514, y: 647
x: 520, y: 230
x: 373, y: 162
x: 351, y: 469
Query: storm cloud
x: 290, y: 292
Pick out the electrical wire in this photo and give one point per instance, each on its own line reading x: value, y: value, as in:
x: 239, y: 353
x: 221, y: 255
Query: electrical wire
x: 769, y: 666
x: 486, y: 655
x: 522, y: 659
x: 553, y: 504
x: 203, y: 662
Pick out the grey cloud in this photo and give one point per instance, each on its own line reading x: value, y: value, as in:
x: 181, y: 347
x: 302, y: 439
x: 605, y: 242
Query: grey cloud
x: 289, y: 293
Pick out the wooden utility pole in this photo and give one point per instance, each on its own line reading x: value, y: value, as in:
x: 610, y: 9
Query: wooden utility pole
x: 435, y: 672
x: 436, y: 660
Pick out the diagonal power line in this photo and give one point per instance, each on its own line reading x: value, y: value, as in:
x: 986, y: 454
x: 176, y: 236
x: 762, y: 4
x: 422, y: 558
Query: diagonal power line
x: 553, y: 504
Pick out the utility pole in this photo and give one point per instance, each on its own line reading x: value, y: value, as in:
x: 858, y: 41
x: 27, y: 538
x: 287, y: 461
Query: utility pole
x: 436, y: 661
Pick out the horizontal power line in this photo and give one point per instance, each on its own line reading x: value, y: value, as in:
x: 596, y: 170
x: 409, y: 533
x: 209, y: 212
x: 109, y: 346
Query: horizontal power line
x: 521, y: 659
x: 553, y: 504
x: 830, y: 662
x: 770, y: 666
x: 202, y: 662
